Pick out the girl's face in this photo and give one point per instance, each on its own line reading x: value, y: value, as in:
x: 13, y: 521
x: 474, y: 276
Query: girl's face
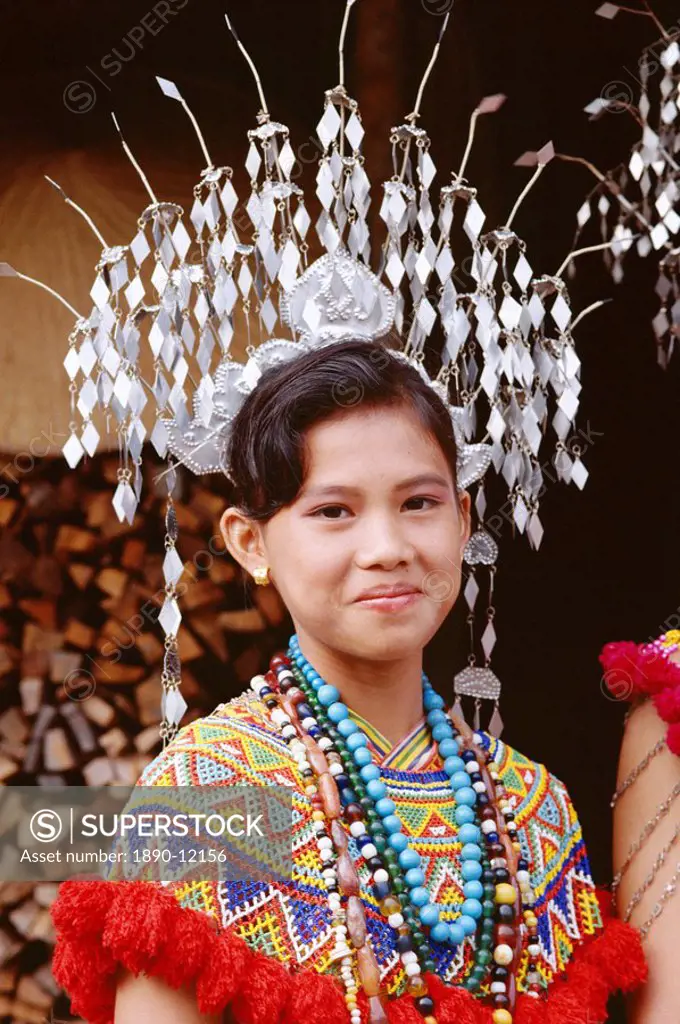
x: 377, y: 508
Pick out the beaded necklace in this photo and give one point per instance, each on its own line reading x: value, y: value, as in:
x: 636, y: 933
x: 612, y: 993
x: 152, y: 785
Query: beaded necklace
x: 343, y: 781
x: 465, y: 784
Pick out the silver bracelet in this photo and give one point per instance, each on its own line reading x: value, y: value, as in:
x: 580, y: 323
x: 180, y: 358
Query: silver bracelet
x: 638, y: 770
x: 661, y: 812
x: 658, y: 864
x: 668, y: 892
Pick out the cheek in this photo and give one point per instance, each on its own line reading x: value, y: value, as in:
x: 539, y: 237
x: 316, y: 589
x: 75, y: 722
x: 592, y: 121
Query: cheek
x: 441, y: 560
x: 307, y: 559
x: 441, y: 544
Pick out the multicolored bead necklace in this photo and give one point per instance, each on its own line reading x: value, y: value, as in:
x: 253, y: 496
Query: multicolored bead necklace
x: 343, y: 781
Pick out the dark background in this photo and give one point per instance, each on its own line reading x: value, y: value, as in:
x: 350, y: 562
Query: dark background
x: 609, y: 565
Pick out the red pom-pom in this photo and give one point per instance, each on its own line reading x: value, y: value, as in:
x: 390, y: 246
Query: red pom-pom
x: 139, y: 925
x: 455, y: 1005
x: 623, y: 654
x: 403, y: 1011
x: 632, y: 670
x: 87, y: 972
x: 227, y: 964
x: 569, y: 1007
x: 622, y: 675
x: 142, y: 927
x: 673, y: 738
x: 530, y: 1010
x: 81, y: 907
x: 657, y: 671
x: 619, y: 956
x: 262, y: 993
x: 613, y: 960
x: 667, y: 703
x: 587, y: 987
x: 314, y: 997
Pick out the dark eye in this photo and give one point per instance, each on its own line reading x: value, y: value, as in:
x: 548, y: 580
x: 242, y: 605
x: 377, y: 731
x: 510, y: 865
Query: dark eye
x: 320, y: 512
x: 432, y: 501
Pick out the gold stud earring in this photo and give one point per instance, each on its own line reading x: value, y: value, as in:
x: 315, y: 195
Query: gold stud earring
x: 261, y: 575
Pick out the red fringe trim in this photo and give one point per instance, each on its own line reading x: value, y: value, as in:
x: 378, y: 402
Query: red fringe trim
x: 102, y: 924
x: 638, y: 670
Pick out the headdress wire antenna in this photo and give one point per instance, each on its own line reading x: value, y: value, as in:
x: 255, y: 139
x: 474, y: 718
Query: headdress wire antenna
x: 341, y: 43
x: 415, y: 113
x: 265, y: 115
x: 251, y: 65
x: 587, y: 310
x: 588, y: 248
x: 621, y: 199
x: 7, y: 270
x: 646, y: 13
x: 341, y: 69
x: 170, y: 89
x: 86, y: 217
x: 131, y: 158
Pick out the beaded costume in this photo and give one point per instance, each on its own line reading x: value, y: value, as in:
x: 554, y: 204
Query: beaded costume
x: 266, y: 950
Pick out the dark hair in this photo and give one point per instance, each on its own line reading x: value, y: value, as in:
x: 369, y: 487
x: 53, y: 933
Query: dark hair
x: 267, y: 453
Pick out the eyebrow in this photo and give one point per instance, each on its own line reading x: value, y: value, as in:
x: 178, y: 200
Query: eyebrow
x: 414, y: 481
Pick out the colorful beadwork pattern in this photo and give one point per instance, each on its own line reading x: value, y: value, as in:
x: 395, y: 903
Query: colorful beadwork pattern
x: 416, y: 750
x: 290, y: 921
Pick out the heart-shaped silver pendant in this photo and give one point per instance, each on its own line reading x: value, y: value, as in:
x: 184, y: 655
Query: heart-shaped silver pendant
x: 481, y: 549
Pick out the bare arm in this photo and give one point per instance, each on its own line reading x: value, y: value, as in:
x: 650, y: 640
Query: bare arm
x: 658, y: 1001
x: 147, y: 1000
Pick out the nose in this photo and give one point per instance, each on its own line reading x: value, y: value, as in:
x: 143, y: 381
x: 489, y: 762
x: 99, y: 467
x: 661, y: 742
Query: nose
x: 383, y: 543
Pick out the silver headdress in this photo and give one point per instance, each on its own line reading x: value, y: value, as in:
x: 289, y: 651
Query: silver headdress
x: 638, y: 202
x: 186, y: 287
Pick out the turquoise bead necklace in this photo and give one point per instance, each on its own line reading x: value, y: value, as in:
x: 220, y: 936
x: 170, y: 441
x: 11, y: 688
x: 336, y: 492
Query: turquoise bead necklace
x: 461, y: 772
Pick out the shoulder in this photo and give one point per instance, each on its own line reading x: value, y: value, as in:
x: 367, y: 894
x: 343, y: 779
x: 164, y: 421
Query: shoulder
x: 553, y: 845
x: 235, y: 743
x: 549, y: 827
x: 582, y: 954
x: 230, y: 938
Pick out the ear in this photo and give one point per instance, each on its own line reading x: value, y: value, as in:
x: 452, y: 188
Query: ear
x: 243, y: 539
x: 465, y: 514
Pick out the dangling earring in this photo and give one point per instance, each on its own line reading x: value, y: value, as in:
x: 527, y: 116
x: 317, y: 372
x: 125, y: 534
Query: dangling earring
x: 261, y: 575
x: 479, y: 681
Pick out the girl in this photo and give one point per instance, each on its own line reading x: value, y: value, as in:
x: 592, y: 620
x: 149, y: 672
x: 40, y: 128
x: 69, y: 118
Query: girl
x: 438, y: 874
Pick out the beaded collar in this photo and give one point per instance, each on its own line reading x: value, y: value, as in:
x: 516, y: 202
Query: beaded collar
x: 414, y: 752
x: 342, y: 780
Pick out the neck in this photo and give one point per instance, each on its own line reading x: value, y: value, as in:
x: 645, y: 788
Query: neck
x: 388, y: 694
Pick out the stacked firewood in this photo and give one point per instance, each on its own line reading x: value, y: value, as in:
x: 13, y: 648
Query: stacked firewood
x: 81, y: 652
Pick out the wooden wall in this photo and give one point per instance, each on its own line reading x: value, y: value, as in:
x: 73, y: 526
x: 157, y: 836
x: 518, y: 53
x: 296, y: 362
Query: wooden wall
x: 80, y: 655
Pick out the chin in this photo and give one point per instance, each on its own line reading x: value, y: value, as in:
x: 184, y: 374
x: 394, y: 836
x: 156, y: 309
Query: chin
x: 399, y: 640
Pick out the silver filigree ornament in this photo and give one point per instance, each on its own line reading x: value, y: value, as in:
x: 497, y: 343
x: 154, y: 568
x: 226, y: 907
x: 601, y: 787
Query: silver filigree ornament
x: 481, y: 549
x: 336, y: 299
x: 187, y: 286
x: 479, y: 683
x: 639, y: 201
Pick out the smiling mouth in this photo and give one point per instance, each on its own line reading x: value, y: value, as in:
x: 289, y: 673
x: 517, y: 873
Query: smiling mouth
x: 390, y: 602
